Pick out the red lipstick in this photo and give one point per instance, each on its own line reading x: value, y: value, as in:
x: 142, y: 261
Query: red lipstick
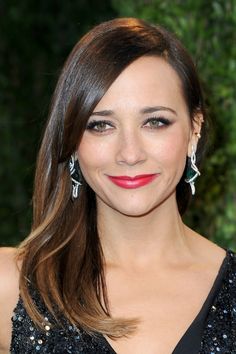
x: 133, y: 182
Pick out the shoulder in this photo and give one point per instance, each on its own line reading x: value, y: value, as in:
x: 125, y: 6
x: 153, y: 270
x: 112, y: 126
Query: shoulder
x: 9, y: 269
x: 8, y: 256
x: 205, y: 250
x: 9, y: 291
x: 232, y: 257
x: 221, y: 318
x: 232, y: 273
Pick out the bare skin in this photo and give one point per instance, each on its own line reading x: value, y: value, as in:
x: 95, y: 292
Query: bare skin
x: 165, y: 295
x: 166, y: 299
x: 9, y: 294
x: 157, y: 269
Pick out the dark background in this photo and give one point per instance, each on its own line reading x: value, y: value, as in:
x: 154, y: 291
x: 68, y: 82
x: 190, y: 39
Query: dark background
x: 35, y: 39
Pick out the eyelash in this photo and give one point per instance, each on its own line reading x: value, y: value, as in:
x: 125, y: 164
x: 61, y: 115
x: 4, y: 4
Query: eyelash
x: 95, y: 123
x: 164, y: 122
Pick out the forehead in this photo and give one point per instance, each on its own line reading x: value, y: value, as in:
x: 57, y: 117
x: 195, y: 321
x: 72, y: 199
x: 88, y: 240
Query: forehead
x: 149, y: 80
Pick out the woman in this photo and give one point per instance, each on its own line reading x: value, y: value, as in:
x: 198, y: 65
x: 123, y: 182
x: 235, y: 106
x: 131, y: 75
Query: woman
x: 109, y: 266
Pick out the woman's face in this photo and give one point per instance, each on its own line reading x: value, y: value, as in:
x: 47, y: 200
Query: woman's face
x: 140, y: 128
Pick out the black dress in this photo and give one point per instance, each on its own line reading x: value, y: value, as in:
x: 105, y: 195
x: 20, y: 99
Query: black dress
x: 213, y: 331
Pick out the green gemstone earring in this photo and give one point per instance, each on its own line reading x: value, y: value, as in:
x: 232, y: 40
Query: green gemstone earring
x: 192, y: 171
x: 76, y: 176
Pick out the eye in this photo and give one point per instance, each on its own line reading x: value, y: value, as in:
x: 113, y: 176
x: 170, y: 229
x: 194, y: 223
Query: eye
x: 99, y: 126
x: 157, y: 122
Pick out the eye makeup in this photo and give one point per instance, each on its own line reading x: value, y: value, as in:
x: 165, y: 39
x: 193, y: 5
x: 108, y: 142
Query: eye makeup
x: 157, y: 122
x: 101, y: 126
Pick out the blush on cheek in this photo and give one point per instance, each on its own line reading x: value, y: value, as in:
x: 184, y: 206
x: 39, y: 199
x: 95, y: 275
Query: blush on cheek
x: 173, y: 153
x: 92, y: 150
x: 178, y: 141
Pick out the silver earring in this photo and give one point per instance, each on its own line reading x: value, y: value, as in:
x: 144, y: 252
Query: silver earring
x: 192, y: 171
x: 75, y: 175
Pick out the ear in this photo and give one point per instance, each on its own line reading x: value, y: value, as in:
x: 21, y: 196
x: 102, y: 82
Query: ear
x: 195, y: 132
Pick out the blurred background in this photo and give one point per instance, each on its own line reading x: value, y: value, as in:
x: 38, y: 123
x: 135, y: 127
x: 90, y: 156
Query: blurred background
x: 35, y: 39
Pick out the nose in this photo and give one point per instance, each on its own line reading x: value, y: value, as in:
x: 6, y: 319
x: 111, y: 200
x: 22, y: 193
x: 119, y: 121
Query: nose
x: 131, y: 149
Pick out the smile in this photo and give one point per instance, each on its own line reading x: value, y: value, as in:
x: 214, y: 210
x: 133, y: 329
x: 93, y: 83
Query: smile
x: 133, y: 182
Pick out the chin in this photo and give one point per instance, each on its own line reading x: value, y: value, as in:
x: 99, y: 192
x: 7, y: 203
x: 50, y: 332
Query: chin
x: 137, y: 214
x: 136, y: 210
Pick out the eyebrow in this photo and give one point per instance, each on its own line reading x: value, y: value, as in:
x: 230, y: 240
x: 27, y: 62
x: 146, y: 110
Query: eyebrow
x: 144, y: 110
x: 157, y: 108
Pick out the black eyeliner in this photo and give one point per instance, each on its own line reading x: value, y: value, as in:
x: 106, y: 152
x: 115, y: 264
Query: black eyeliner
x: 163, y: 120
x: 94, y: 123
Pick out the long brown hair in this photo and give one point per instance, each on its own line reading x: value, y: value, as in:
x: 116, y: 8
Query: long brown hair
x: 62, y: 257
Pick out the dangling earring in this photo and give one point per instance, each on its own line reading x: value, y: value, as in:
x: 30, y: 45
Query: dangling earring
x: 192, y: 171
x: 76, y: 177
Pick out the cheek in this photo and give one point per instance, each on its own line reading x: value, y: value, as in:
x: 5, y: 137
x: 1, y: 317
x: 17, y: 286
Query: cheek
x: 92, y: 155
x: 172, y: 149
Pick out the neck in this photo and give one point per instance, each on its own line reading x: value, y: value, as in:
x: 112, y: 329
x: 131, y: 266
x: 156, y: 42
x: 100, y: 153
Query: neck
x: 139, y: 241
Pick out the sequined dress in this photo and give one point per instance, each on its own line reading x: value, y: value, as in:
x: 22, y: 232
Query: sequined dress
x: 213, y: 331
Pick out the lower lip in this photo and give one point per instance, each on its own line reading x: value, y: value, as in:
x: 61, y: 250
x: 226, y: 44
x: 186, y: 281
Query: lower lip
x: 133, y: 183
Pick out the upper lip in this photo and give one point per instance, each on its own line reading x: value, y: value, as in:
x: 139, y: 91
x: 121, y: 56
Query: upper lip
x: 130, y: 178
